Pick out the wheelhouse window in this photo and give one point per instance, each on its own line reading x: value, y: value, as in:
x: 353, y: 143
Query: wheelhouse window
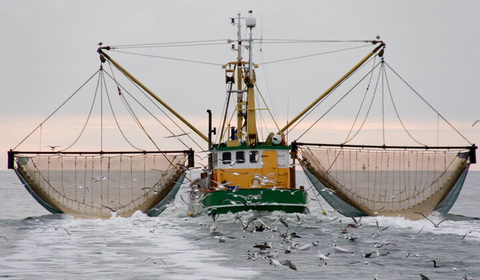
x: 226, y: 158
x: 253, y: 156
x: 240, y: 157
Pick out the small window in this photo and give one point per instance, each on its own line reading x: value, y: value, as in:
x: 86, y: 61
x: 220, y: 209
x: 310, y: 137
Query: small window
x: 240, y: 157
x: 226, y: 158
x: 253, y: 156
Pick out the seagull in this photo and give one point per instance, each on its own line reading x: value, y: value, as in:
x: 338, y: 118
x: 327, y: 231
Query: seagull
x: 1, y: 236
x: 155, y: 261
x: 465, y: 235
x: 162, y: 172
x: 283, y: 222
x: 344, y: 230
x: 435, y: 264
x: 176, y: 135
x: 305, y: 247
x: 289, y: 264
x: 56, y: 228
x: 262, y: 247
x: 379, y: 230
x: 84, y: 187
x: 475, y: 122
x: 436, y: 225
x: 52, y: 148
x: 151, y: 189
x: 423, y: 277
x: 340, y: 249
x: 323, y: 257
x: 275, y: 262
x: 98, y: 179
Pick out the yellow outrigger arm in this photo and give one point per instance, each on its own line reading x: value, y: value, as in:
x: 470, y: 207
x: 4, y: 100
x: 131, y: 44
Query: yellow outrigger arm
x: 119, y: 67
x: 335, y: 85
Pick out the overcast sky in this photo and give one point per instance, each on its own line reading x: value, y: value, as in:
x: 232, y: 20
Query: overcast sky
x: 48, y: 50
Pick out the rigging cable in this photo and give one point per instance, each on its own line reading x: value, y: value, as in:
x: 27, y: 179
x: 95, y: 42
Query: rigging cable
x: 313, y: 54
x: 431, y: 107
x: 116, y: 120
x: 266, y: 106
x: 336, y: 103
x: 368, y: 110
x: 58, y: 108
x: 383, y: 105
x: 360, y: 107
x: 268, y: 83
x: 396, y: 111
x: 120, y: 88
x: 321, y: 101
x: 100, y: 77
x: 158, y: 107
x: 168, y: 58
x: 286, y: 41
x: 137, y: 120
x: 168, y: 44
x: 138, y: 102
x: 227, y: 102
x: 229, y: 121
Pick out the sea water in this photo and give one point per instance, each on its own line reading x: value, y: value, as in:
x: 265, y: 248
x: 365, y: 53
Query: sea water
x: 35, y: 244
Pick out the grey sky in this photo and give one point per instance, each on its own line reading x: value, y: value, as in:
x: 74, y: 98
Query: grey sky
x: 48, y: 50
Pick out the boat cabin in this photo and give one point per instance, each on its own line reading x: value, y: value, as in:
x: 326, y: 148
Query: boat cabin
x: 248, y: 167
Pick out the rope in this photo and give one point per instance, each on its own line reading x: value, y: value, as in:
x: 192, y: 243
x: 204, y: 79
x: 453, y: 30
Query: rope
x: 336, y: 103
x: 266, y: 106
x: 279, y: 41
x: 313, y: 54
x: 116, y: 120
x: 170, y: 44
x: 396, y: 111
x: 169, y: 58
x: 155, y: 104
x: 58, y: 108
x: 360, y: 108
x: 225, y: 106
x: 89, y: 113
x: 137, y: 121
x: 321, y: 101
x: 383, y: 108
x: 119, y: 87
x: 425, y: 101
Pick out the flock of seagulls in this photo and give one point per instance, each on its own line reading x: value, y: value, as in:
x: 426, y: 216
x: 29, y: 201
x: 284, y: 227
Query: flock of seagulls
x: 280, y: 243
x: 353, y: 243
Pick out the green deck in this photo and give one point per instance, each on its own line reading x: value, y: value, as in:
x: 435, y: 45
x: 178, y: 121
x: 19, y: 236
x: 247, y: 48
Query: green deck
x: 287, y: 200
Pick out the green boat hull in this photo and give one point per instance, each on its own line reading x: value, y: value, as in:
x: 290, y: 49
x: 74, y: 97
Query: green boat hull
x: 236, y: 200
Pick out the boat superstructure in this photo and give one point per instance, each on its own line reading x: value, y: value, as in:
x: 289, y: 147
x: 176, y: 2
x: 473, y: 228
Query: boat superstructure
x: 245, y: 173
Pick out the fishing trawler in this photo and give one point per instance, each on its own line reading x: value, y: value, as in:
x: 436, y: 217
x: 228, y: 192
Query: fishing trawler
x: 245, y: 172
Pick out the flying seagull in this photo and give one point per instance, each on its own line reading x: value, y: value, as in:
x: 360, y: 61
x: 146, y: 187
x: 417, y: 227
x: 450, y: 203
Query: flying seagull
x: 177, y: 135
x: 436, y: 225
x: 423, y: 277
x: 52, y: 148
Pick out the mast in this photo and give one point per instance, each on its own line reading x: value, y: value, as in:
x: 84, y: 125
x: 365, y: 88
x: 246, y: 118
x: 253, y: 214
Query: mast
x: 245, y: 81
x: 239, y: 80
x: 251, y: 118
